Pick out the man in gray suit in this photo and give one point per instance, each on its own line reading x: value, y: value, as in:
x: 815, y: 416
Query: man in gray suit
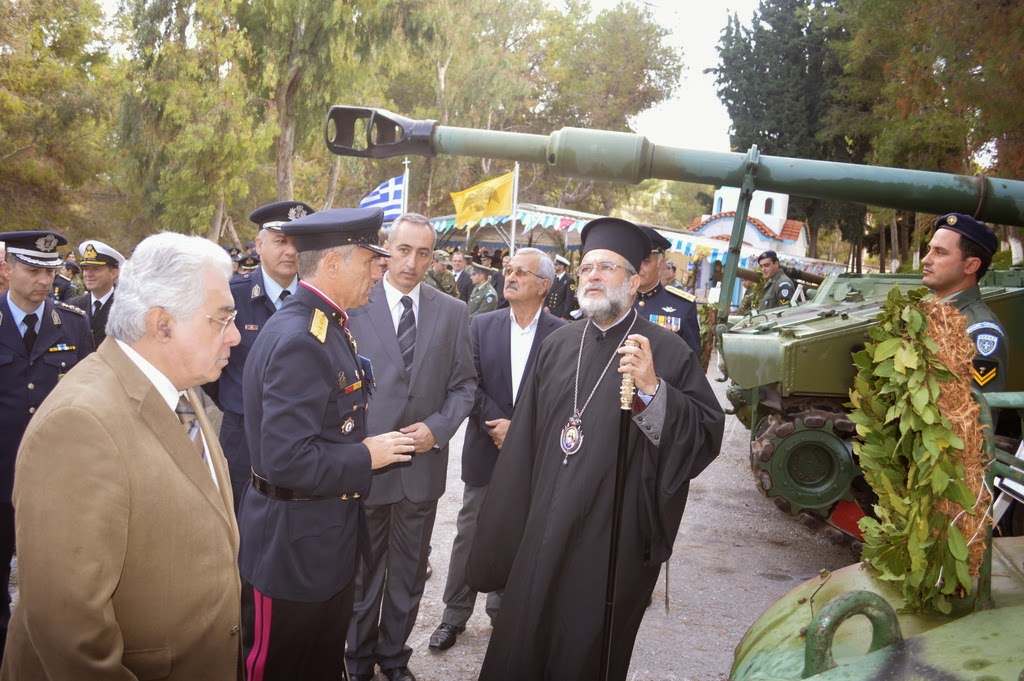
x: 417, y: 339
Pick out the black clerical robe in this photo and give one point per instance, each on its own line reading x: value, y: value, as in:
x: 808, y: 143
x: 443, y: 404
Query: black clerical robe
x: 544, y: 531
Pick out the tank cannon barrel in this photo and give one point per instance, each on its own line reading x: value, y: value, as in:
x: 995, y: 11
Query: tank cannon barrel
x: 631, y: 158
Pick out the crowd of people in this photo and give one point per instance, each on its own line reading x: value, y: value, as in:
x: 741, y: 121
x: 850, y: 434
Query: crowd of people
x: 293, y: 542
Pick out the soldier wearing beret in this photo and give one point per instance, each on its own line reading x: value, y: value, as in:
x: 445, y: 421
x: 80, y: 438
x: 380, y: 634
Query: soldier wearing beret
x: 483, y: 297
x: 959, y: 254
x: 666, y: 306
x: 302, y: 521
x: 101, y: 265
x: 258, y: 295
x: 64, y: 287
x: 562, y: 294
x: 40, y: 340
x: 439, y: 276
x: 779, y: 289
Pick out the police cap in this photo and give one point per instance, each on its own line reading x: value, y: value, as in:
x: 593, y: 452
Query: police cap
x: 273, y: 215
x: 35, y: 248
x: 97, y: 254
x: 249, y: 263
x: 659, y: 244
x: 966, y: 226
x: 618, y: 236
x: 72, y: 265
x: 338, y: 227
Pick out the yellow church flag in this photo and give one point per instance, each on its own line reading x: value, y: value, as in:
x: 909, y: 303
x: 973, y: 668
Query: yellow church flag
x: 491, y: 198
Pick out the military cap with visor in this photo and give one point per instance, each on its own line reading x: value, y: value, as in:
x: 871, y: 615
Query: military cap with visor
x: 659, y: 244
x: 968, y: 227
x: 619, y: 236
x: 273, y: 216
x: 35, y: 248
x: 97, y: 254
x: 338, y: 227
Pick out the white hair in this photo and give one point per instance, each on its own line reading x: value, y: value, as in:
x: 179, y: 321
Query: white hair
x: 166, y: 270
x: 545, y: 268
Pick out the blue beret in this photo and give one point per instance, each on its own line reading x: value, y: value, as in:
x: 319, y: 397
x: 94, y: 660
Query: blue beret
x: 976, y: 231
x: 658, y: 242
x: 35, y: 248
x: 618, y: 236
x: 338, y: 227
x: 273, y: 215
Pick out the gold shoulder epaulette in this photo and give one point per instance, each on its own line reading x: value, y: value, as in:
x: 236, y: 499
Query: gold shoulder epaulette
x: 681, y: 293
x: 69, y: 308
x: 318, y: 327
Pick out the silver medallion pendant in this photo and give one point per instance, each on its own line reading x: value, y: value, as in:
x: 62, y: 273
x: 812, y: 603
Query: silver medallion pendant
x: 572, y: 437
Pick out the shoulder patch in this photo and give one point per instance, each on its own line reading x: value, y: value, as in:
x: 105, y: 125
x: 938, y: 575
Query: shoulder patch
x: 69, y: 308
x: 318, y: 326
x: 986, y: 343
x: 681, y: 293
x: 985, y: 325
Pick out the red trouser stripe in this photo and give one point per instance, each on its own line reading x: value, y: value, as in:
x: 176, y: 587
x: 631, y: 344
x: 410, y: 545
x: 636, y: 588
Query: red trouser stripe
x: 261, y: 637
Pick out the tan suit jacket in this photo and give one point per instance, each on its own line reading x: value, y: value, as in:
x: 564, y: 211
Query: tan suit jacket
x: 127, y: 551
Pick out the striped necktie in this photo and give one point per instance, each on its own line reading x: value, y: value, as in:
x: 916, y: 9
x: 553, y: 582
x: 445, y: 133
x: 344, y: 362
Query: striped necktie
x: 187, y: 415
x: 407, y: 332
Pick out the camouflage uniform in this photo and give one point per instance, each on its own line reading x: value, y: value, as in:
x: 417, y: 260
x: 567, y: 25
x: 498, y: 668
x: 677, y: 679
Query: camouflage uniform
x: 443, y: 282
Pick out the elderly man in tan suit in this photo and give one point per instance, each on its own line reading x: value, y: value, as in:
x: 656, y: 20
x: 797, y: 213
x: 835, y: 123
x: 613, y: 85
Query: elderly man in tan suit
x: 127, y: 543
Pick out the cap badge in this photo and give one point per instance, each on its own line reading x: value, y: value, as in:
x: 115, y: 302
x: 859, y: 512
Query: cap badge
x: 951, y: 220
x: 90, y: 252
x: 296, y: 212
x: 47, y: 243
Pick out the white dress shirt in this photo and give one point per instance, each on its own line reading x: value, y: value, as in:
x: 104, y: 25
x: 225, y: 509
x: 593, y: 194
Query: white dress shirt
x: 520, y: 343
x: 394, y: 298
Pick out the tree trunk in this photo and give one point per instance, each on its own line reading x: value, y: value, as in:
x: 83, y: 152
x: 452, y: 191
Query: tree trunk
x: 915, y: 248
x: 812, y: 240
x: 284, y: 145
x: 894, y: 229
x: 908, y: 224
x: 217, y: 220
x: 881, y: 250
x: 229, y: 224
x: 1016, y: 250
x: 332, y: 183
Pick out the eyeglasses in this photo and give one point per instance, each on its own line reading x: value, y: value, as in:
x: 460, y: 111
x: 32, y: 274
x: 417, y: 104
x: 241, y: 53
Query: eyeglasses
x: 224, y: 323
x: 586, y: 269
x: 519, y: 272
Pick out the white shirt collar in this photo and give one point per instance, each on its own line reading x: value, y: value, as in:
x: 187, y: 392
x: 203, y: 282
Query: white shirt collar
x: 531, y: 325
x: 163, y: 385
x: 394, y: 296
x: 103, y: 299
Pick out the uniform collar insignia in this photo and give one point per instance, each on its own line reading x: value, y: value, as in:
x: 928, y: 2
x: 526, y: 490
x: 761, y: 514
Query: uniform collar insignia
x: 255, y: 292
x: 55, y: 317
x: 669, y: 309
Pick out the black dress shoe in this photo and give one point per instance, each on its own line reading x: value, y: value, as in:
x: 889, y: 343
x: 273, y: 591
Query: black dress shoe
x: 444, y: 636
x: 399, y: 674
x: 362, y: 677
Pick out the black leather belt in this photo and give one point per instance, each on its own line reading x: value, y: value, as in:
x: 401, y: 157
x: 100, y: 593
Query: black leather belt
x: 285, y: 494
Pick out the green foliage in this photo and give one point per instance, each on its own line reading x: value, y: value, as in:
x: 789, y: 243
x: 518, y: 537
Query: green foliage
x: 908, y: 453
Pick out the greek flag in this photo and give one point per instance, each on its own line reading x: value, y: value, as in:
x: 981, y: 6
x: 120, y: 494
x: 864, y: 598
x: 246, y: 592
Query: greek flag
x: 388, y: 195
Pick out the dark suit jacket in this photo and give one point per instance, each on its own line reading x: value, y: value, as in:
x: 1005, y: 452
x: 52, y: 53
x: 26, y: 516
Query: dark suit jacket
x: 464, y: 283
x: 492, y: 355
x: 438, y: 391
x: 128, y: 550
x: 98, y: 324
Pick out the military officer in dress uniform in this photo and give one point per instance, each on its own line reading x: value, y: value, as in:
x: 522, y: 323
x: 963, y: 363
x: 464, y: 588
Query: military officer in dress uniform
x: 64, y: 287
x: 302, y: 522
x: 959, y: 254
x: 483, y: 298
x: 258, y: 295
x: 667, y: 306
x: 101, y: 265
x: 561, y: 300
x: 40, y: 340
x: 249, y: 264
x: 439, y: 276
x: 778, y: 290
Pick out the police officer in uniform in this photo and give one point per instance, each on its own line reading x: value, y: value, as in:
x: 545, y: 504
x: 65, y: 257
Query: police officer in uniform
x: 258, y: 295
x: 483, y: 298
x: 562, y: 294
x: 64, y: 287
x: 40, y: 340
x: 248, y: 264
x: 439, y: 276
x: 667, y: 306
x: 101, y: 265
x: 302, y: 522
x: 959, y: 254
x: 778, y: 289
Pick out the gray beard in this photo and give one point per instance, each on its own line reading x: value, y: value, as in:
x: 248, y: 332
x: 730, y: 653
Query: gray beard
x: 606, y: 310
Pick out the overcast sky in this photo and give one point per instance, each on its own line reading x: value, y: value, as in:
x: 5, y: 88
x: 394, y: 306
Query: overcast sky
x: 694, y: 118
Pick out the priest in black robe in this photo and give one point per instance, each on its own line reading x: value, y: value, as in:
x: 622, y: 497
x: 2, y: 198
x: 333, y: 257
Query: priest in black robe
x: 544, y: 529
